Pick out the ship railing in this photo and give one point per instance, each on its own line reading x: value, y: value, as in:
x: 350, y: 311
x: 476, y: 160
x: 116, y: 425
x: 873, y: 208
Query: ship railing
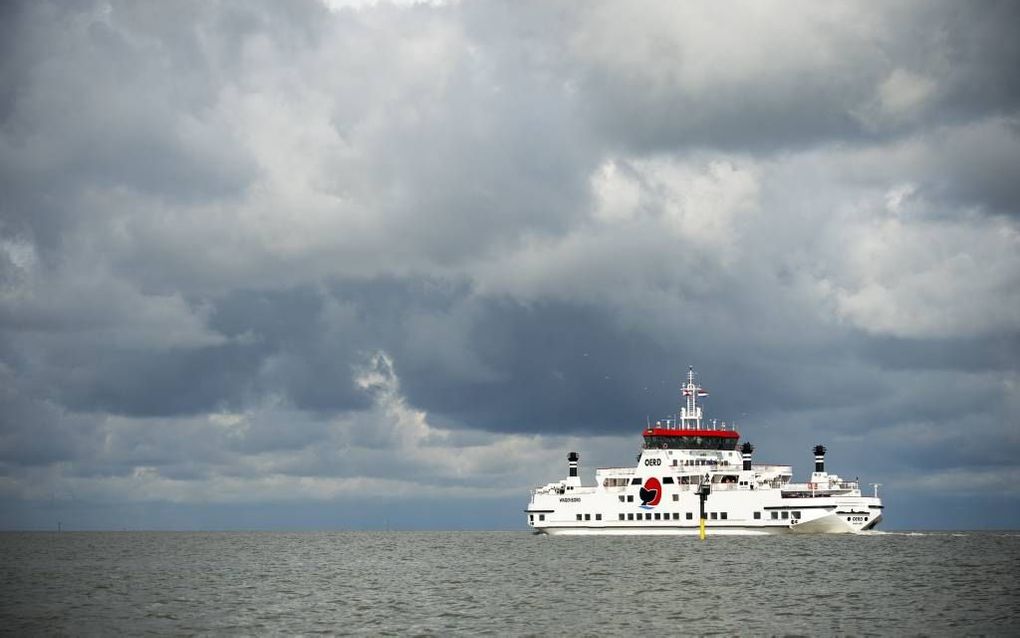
x: 778, y: 469
x: 622, y: 471
x: 822, y: 489
x: 687, y: 487
x: 726, y: 487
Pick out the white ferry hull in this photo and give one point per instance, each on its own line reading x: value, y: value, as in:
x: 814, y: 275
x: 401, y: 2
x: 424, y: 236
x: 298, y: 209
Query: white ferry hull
x: 660, y: 531
x: 828, y: 524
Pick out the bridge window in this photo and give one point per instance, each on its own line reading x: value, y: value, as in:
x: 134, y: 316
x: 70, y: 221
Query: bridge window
x: 690, y: 442
x: 630, y: 498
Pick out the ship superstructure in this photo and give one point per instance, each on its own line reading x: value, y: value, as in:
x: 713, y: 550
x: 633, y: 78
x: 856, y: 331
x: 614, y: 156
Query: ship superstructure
x: 689, y: 469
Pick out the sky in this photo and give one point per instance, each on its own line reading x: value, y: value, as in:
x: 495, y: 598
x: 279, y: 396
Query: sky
x: 365, y: 265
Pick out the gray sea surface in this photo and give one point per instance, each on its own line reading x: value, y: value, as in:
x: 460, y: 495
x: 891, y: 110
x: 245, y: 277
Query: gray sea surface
x: 507, y: 583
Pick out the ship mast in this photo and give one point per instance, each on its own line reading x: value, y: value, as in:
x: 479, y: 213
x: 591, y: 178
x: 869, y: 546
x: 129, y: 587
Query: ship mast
x: 690, y: 414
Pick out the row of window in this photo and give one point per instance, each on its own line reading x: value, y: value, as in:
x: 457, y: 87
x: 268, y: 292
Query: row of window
x: 784, y: 515
x: 666, y: 480
x: 690, y: 443
x: 629, y: 498
x: 658, y: 516
x: 665, y: 516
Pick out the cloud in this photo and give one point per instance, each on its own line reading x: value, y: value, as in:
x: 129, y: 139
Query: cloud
x: 253, y: 252
x: 389, y: 451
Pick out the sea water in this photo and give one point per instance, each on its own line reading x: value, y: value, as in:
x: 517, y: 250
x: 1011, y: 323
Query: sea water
x: 507, y: 583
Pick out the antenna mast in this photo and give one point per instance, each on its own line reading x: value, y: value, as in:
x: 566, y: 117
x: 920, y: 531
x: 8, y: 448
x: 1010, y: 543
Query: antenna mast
x: 690, y: 415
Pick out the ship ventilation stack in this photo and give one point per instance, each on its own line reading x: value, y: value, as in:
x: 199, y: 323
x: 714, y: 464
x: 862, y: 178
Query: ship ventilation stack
x: 746, y: 450
x: 572, y: 459
x: 819, y: 458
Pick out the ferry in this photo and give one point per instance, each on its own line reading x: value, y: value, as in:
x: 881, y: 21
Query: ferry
x: 691, y: 478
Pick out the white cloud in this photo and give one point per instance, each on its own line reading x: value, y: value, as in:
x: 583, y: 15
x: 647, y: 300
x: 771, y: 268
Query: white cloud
x: 904, y: 93
x: 932, y: 279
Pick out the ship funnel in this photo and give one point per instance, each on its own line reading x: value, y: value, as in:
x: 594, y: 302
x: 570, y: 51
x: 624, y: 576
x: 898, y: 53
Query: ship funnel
x: 746, y: 450
x: 572, y: 459
x: 819, y: 458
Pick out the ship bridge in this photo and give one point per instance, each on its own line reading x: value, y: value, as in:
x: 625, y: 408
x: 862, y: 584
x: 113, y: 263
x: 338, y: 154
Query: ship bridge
x: 686, y: 431
x: 675, y: 439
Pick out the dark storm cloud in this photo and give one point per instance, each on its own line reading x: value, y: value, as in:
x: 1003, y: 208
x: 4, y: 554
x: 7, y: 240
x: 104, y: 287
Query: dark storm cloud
x: 108, y: 108
x: 971, y: 354
x: 158, y: 383
x: 248, y: 249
